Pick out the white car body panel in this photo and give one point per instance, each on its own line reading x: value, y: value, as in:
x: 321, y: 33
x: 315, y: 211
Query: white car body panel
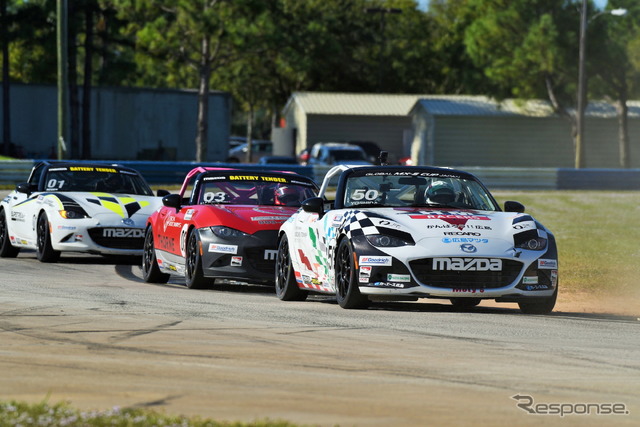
x: 105, y: 210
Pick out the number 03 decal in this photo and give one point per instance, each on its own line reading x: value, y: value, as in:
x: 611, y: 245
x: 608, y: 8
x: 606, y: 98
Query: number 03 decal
x: 211, y: 197
x: 362, y: 194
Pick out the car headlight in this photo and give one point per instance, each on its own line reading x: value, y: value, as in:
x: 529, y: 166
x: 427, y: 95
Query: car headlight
x: 73, y: 213
x: 386, y: 241
x: 535, y: 244
x: 226, y: 232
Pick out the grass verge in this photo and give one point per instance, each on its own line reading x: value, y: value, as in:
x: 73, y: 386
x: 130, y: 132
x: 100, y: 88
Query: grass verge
x: 44, y: 415
x: 596, y: 233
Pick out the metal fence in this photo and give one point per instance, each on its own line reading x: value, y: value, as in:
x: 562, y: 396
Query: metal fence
x: 172, y: 173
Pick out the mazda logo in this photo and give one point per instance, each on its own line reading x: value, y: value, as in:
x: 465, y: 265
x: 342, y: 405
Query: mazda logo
x: 468, y: 248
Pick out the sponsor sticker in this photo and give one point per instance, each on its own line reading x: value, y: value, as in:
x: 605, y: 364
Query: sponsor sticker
x: 364, y: 274
x: 269, y: 218
x: 530, y: 280
x: 554, y: 278
x: 365, y: 271
x: 223, y: 249
x: 463, y: 240
x: 375, y: 260
x: 188, y: 214
x: 398, y: 277
x: 468, y: 290
x: 539, y: 287
x: 387, y: 284
x: 550, y: 264
x: 236, y: 261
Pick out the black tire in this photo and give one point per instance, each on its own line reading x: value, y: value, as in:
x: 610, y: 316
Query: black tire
x: 150, y: 270
x: 44, y: 251
x: 539, y: 307
x: 347, y: 292
x: 194, y: 278
x: 464, y: 303
x: 7, y: 250
x: 286, y: 286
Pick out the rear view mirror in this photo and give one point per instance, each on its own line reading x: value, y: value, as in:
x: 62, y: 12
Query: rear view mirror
x: 314, y: 205
x: 511, y: 206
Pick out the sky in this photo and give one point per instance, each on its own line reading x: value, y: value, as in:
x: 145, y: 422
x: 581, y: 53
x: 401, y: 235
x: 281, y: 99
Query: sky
x: 423, y: 4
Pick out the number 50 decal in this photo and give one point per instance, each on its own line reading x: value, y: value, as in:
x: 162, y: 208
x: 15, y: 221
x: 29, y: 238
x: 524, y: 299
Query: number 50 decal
x: 361, y: 194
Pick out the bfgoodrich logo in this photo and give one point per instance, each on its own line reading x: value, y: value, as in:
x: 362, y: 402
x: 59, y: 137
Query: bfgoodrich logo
x: 563, y: 409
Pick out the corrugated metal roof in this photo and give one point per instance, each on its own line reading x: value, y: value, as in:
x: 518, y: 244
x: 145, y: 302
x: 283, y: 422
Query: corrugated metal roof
x: 370, y: 104
x: 361, y: 104
x: 483, y: 106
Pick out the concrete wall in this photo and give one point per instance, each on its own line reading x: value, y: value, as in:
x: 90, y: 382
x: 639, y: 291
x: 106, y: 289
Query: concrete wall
x: 126, y: 123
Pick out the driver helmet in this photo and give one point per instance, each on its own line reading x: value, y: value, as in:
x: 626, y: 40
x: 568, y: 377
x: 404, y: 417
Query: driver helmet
x: 440, y: 192
x: 287, y: 196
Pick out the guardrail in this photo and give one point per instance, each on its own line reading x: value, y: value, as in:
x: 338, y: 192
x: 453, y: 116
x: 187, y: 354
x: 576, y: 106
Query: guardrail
x: 172, y: 173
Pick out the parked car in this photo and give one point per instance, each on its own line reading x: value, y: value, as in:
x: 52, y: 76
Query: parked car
x: 259, y: 148
x: 409, y: 232
x: 335, y: 153
x: 279, y: 160
x: 222, y: 224
x: 371, y: 149
x: 77, y: 207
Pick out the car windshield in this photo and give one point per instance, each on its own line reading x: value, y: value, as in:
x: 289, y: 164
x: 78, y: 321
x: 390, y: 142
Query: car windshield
x: 269, y: 190
x: 95, y: 179
x: 377, y: 189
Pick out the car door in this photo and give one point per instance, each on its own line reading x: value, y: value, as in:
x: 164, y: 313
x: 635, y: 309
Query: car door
x: 171, y: 232
x: 23, y: 209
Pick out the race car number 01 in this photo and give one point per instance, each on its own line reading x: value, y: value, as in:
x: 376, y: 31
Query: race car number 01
x: 361, y: 193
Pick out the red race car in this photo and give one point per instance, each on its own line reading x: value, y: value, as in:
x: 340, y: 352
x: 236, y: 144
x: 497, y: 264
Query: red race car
x: 222, y: 225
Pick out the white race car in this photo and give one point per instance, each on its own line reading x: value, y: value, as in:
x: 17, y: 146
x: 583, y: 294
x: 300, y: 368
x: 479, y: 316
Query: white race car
x: 405, y: 232
x: 77, y: 207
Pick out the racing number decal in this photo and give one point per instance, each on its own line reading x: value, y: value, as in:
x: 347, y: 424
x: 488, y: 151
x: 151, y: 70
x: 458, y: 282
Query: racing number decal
x: 364, y: 194
x: 211, y: 197
x: 54, y: 184
x: 183, y: 240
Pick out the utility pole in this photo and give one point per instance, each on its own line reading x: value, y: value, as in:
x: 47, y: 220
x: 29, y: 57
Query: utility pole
x: 63, y: 80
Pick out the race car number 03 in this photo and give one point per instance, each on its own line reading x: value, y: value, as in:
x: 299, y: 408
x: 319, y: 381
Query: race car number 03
x: 364, y: 194
x: 214, y: 197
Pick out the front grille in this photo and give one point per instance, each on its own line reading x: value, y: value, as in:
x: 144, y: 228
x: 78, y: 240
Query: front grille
x: 134, y: 241
x: 256, y: 260
x: 424, y: 272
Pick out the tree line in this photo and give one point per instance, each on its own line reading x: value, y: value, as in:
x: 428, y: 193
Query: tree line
x: 263, y: 50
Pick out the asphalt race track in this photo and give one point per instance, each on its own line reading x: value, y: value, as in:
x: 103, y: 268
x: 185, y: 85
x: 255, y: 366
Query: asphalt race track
x: 88, y: 330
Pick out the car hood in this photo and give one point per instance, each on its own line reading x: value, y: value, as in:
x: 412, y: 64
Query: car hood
x: 105, y: 205
x: 443, y: 226
x: 246, y: 218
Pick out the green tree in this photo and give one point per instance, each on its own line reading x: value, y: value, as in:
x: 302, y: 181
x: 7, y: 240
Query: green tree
x: 192, y: 37
x: 615, y: 64
x: 527, y: 48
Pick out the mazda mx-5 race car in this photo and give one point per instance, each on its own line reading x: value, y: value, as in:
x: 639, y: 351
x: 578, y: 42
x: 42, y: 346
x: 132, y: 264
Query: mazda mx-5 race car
x: 77, y: 207
x: 222, y: 225
x: 405, y: 232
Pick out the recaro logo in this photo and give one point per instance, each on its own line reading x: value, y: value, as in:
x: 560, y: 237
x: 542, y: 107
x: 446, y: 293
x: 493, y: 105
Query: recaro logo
x: 467, y: 264
x: 122, y: 232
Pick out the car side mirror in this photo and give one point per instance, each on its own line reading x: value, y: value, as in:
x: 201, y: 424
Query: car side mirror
x: 314, y: 205
x: 172, y: 201
x: 24, y: 187
x: 162, y: 193
x: 511, y: 206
